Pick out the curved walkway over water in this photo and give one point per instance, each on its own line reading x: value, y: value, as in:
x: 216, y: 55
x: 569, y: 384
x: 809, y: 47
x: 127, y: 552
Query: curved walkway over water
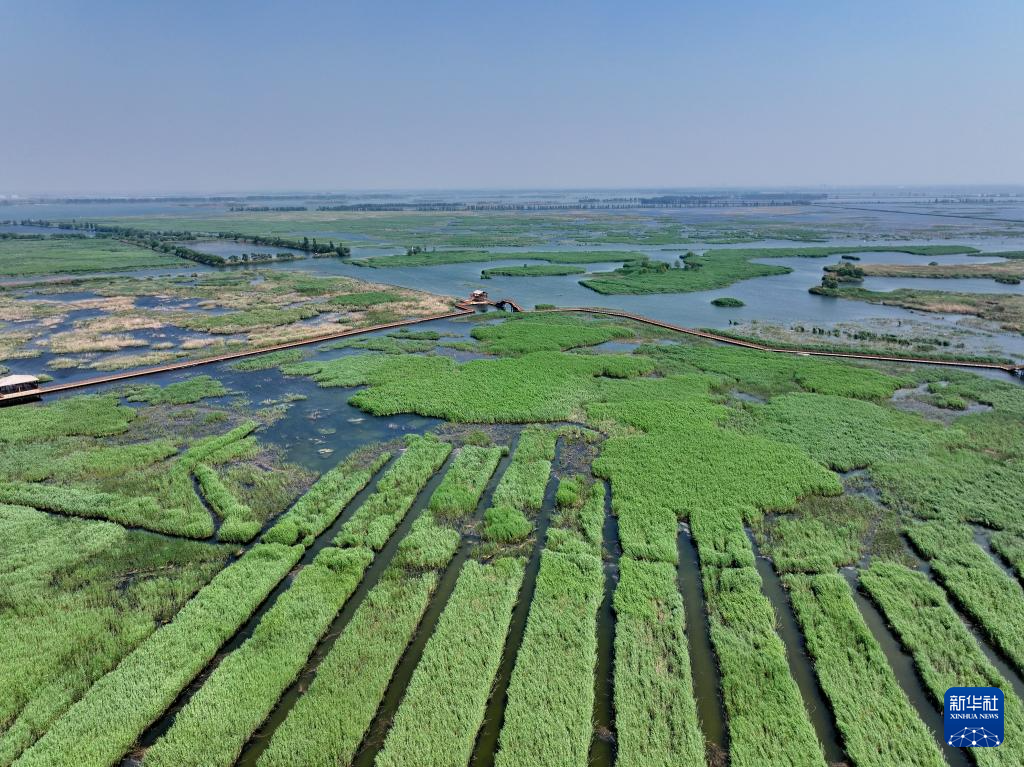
x: 1006, y: 368
x: 463, y: 308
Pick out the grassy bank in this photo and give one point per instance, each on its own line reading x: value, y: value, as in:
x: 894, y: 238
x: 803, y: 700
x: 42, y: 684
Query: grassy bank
x: 322, y: 503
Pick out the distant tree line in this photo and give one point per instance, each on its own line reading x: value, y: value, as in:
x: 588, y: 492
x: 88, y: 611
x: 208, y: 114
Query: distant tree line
x: 169, y: 241
x: 266, y: 208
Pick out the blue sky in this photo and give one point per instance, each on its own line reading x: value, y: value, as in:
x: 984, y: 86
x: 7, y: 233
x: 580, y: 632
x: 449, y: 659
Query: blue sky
x: 137, y: 96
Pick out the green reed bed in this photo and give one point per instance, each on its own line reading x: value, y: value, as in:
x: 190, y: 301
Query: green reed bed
x: 381, y: 513
x: 220, y: 718
x: 143, y: 512
x: 238, y: 523
x: 269, y: 360
x: 879, y: 726
x: 25, y: 258
x: 822, y: 533
x: 578, y: 522
x: 435, y: 257
x: 768, y: 723
x: 1010, y: 546
x: 178, y: 393
x: 107, y: 720
x: 445, y: 702
x: 71, y: 612
x: 98, y: 415
x: 991, y: 597
x: 719, y: 268
x: 548, y: 720
x: 548, y: 270
x: 535, y: 388
x: 320, y: 506
x: 526, y: 333
x: 655, y: 713
x: 354, y: 675
x: 329, y: 721
x: 520, y: 492
x: 944, y: 651
x: 459, y: 492
x: 524, y: 482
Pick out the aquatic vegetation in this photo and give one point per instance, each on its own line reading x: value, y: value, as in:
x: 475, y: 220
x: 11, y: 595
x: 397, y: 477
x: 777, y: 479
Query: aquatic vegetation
x: 539, y: 333
x: 857, y: 338
x: 215, y: 725
x: 776, y: 373
x: 993, y: 599
x: 551, y: 693
x: 269, y: 360
x: 365, y: 299
x: 435, y: 257
x: 27, y: 258
x: 721, y: 268
x: 524, y: 482
x: 387, y: 344
x: 1005, y: 309
x: 259, y: 317
x: 141, y: 511
x: 239, y: 524
x: 71, y: 612
x: 185, y: 392
x: 677, y: 460
x: 727, y: 301
x: 879, y: 726
x: 944, y: 651
x: 538, y: 387
x: 767, y: 719
x: 353, y: 677
x: 821, y: 534
x: 463, y: 484
x: 444, y: 703
x: 323, y: 502
x: 548, y: 270
x: 506, y: 525
x: 579, y: 519
x: 716, y: 269
x: 381, y: 513
x: 1012, y: 269
x: 127, y: 361
x: 97, y: 415
x: 655, y: 712
x: 106, y: 721
x: 845, y: 434
x: 1010, y: 546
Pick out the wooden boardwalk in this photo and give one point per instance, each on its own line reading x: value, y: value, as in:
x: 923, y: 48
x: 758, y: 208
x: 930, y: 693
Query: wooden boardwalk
x: 1006, y: 368
x: 462, y: 308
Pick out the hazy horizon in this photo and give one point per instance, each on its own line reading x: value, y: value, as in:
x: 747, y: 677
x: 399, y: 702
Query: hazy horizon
x: 118, y: 98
